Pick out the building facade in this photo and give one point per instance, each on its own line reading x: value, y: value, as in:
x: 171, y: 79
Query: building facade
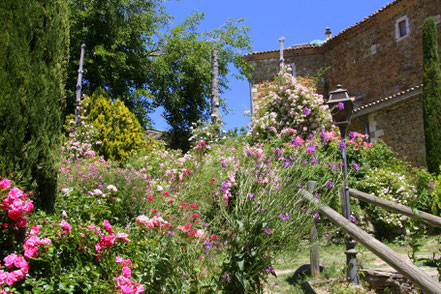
x: 379, y: 60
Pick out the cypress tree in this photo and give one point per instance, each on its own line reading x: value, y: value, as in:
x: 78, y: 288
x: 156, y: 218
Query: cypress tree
x: 432, y: 95
x: 33, y: 56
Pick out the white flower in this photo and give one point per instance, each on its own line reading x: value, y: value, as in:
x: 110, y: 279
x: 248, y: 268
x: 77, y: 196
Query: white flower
x: 159, y: 188
x: 112, y: 188
x: 63, y: 214
x: 97, y: 192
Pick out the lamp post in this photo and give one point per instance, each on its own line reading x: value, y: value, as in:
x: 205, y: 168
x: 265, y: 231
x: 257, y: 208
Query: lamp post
x: 341, y: 109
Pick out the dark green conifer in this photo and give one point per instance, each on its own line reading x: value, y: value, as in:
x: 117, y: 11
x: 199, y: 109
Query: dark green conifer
x: 432, y: 95
x: 33, y: 56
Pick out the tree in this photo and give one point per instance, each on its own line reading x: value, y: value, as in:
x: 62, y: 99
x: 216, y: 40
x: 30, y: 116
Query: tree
x: 120, y: 42
x: 33, y: 57
x: 432, y: 95
x: 181, y: 81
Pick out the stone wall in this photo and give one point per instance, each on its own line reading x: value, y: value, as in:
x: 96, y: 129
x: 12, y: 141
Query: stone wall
x: 400, y: 126
x: 371, y: 63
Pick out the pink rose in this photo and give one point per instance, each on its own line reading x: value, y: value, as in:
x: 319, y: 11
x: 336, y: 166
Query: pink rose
x: 142, y: 220
x: 126, y: 272
x: 65, y: 226
x: 123, y: 236
x: 108, y: 226
x: 5, y: 184
x: 9, y: 260
x: 28, y: 207
x: 15, y: 193
x: 15, y: 214
x: 22, y: 223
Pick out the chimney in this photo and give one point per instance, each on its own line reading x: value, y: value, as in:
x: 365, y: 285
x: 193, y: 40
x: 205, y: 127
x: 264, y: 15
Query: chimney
x: 328, y: 33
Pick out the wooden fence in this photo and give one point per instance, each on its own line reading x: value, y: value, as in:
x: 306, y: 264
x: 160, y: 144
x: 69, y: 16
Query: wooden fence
x: 396, y: 261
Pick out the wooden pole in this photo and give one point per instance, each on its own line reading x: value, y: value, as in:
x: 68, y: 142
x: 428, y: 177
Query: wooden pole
x: 403, y: 266
x: 398, y: 208
x: 79, y: 82
x: 215, y: 103
x: 313, y: 239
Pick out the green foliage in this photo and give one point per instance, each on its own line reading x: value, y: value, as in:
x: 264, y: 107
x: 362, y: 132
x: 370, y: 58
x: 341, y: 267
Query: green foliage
x: 432, y: 95
x: 119, y: 46
x: 181, y: 81
x: 116, y: 127
x: 436, y: 206
x: 33, y: 56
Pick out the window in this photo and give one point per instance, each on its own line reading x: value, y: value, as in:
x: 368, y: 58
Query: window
x: 402, y: 28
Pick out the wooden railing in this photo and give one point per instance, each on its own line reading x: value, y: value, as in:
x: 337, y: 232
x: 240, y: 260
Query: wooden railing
x: 403, y: 266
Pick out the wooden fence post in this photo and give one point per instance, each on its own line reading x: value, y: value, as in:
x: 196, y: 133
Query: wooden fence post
x: 313, y: 239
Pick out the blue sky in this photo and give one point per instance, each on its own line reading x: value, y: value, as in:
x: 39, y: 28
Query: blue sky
x: 298, y: 21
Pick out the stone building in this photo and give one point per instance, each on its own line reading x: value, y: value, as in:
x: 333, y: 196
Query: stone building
x: 379, y: 60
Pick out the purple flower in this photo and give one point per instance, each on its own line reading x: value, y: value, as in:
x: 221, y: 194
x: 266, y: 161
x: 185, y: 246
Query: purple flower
x: 326, y: 235
x: 341, y: 105
x: 316, y: 215
x: 355, y: 166
x: 170, y: 233
x: 314, y: 161
x: 224, y: 165
x: 353, y: 219
x: 310, y: 149
x: 329, y: 185
x: 225, y: 186
x: 341, y: 145
x: 251, y: 195
x: 299, y: 186
x: 270, y: 269
x: 285, y: 216
x: 306, y: 111
x: 331, y: 165
x: 351, y: 135
x: 266, y: 230
x: 226, y: 277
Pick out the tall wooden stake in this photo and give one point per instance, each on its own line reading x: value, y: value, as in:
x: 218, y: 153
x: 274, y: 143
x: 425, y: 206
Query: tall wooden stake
x: 313, y: 239
x: 79, y: 82
x: 215, y: 104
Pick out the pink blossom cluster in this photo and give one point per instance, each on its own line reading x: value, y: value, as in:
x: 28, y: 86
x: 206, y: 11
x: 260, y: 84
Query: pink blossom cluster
x: 289, y: 109
x: 16, y: 205
x: 154, y: 222
x: 124, y: 283
x: 14, y: 261
x: 32, y: 244
x: 108, y: 238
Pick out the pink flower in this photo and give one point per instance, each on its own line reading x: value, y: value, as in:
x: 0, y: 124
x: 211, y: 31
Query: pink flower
x: 5, y: 184
x: 65, y: 226
x: 15, y: 193
x: 9, y: 260
x: 107, y: 241
x: 15, y: 214
x: 142, y: 220
x: 22, y: 223
x: 126, y: 272
x: 31, y: 252
x: 107, y: 226
x: 123, y: 236
x: 3, y: 277
x: 28, y: 207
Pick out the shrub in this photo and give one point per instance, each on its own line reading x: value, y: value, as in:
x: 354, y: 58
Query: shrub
x: 118, y: 133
